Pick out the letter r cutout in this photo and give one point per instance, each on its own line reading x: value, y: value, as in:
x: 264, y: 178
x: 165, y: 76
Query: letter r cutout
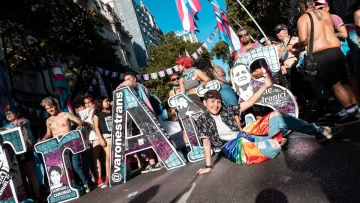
x: 53, y: 151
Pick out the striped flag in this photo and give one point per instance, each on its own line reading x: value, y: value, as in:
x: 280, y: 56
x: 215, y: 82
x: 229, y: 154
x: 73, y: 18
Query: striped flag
x: 63, y: 89
x: 199, y: 51
x: 103, y: 91
x: 213, y: 34
x: 235, y: 41
x: 195, y: 7
x: 185, y: 17
x: 209, y: 40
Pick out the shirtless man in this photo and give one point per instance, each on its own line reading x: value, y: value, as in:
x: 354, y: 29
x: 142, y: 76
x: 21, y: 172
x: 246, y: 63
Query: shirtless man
x: 357, y: 22
x: 59, y: 124
x: 246, y: 44
x: 327, y: 53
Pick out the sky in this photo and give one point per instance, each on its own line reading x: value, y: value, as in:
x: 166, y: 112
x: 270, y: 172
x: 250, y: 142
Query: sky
x: 167, y: 19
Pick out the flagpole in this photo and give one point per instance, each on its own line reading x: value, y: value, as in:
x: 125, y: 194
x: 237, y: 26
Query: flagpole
x: 252, y: 18
x: 230, y: 17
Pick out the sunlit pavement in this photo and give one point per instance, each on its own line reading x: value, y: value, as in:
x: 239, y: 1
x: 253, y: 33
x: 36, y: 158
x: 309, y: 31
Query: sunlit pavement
x: 303, y: 172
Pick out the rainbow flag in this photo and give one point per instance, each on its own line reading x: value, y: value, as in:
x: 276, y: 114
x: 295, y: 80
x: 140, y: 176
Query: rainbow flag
x: 63, y: 89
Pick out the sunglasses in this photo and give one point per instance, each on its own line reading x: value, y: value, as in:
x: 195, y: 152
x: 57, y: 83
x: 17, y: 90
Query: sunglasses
x: 243, y: 35
x: 174, y: 79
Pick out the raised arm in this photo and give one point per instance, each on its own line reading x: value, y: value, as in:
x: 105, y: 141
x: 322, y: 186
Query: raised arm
x: 131, y: 83
x: 256, y: 96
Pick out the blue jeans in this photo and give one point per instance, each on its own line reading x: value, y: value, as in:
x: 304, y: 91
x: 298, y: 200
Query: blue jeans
x: 283, y: 123
x: 228, y: 95
x: 75, y: 160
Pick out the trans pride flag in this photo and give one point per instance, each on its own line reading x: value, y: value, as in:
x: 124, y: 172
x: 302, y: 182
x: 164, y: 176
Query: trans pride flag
x: 63, y: 89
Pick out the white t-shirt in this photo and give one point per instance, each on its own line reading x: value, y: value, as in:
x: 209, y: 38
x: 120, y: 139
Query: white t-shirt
x: 225, y: 133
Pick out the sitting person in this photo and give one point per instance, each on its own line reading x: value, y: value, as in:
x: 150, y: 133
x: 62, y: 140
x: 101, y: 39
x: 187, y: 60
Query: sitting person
x: 218, y: 126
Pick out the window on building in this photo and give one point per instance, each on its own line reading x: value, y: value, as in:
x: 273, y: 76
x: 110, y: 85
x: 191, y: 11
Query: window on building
x: 17, y: 82
x: 32, y: 78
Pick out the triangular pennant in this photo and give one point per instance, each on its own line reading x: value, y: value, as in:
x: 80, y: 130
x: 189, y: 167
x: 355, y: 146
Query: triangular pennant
x: 38, y: 113
x: 213, y: 34
x: 162, y: 74
x: 209, y: 40
x: 31, y: 110
x: 146, y: 76
x: 114, y: 74
x: 199, y: 51
x: 153, y: 75
x: 16, y: 104
x: 138, y: 77
x: 205, y: 45
x: 176, y: 68
x: 169, y: 71
x: 107, y: 72
x: 90, y: 89
x: 101, y: 70
x: 194, y: 55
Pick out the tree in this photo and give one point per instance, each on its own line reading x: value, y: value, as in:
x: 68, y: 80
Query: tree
x: 267, y: 14
x: 35, y: 33
x: 221, y: 51
x: 163, y: 57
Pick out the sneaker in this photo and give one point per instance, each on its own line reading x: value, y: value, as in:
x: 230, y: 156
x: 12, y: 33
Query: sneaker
x: 347, y: 120
x: 106, y: 183
x: 100, y: 182
x: 150, y: 168
x: 86, y: 188
x: 328, y: 134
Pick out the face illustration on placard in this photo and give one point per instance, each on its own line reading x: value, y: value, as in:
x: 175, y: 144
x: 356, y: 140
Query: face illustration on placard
x: 241, y: 75
x: 55, y: 177
x: 182, y: 102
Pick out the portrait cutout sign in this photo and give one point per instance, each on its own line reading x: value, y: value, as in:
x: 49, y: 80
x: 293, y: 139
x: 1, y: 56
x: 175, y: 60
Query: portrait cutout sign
x: 128, y: 105
x: 244, y: 84
x: 11, y: 186
x: 53, y: 152
x: 188, y: 111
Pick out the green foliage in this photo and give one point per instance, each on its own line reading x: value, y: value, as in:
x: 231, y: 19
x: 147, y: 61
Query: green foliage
x: 267, y: 14
x: 221, y: 51
x: 163, y: 57
x: 38, y: 32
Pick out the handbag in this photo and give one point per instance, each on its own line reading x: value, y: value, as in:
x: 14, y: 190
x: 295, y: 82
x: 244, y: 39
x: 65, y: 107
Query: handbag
x: 310, y: 66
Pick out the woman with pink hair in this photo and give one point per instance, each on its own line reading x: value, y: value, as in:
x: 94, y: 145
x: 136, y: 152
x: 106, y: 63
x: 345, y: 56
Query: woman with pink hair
x: 192, y: 78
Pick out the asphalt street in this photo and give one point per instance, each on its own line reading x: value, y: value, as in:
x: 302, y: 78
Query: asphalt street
x: 303, y: 172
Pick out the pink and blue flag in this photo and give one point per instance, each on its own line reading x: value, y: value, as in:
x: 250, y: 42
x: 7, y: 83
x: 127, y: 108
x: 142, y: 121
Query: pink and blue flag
x: 63, y: 89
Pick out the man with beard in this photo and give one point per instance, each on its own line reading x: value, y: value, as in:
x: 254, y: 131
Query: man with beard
x: 246, y: 44
x: 328, y: 55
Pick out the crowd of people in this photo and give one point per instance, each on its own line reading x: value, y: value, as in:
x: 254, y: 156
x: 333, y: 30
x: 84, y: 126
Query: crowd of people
x: 335, y: 52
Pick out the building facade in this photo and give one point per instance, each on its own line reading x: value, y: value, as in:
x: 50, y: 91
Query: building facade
x: 114, y: 30
x: 187, y: 36
x: 141, y: 24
